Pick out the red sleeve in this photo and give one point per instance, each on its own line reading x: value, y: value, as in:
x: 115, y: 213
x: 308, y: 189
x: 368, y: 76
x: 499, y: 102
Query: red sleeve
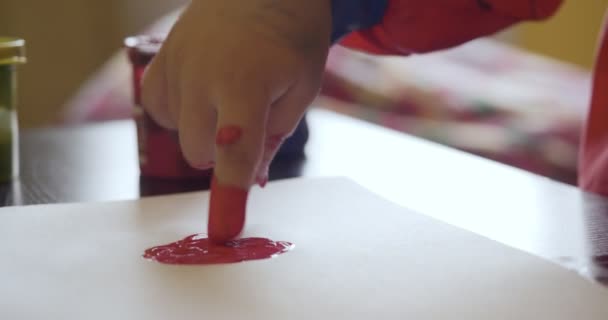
x: 418, y: 26
x: 593, y: 158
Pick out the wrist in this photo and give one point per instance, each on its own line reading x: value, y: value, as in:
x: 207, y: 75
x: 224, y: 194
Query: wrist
x: 352, y: 15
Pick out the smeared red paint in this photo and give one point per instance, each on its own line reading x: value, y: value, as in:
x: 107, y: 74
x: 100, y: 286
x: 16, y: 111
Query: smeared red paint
x: 228, y: 135
x: 226, y: 211
x: 197, y: 249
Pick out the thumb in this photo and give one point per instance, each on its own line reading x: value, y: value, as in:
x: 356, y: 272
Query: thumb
x: 239, y: 148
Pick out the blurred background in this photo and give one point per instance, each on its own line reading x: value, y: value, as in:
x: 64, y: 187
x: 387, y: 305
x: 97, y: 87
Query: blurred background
x: 518, y: 98
x: 67, y: 41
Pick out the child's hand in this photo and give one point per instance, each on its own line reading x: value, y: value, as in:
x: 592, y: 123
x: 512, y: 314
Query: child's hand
x: 253, y: 64
x: 244, y: 70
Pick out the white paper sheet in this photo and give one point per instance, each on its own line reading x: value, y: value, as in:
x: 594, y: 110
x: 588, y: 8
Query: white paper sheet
x: 357, y: 256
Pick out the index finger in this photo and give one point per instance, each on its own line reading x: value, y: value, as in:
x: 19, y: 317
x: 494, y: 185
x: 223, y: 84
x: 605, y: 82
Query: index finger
x: 239, y: 148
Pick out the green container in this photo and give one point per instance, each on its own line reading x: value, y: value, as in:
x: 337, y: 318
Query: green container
x: 11, y: 54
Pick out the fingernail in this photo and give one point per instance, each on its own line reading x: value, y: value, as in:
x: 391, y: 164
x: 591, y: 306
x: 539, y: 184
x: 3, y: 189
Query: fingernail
x: 226, y: 211
x: 228, y: 135
x: 274, y: 141
x: 262, y: 181
x: 206, y: 166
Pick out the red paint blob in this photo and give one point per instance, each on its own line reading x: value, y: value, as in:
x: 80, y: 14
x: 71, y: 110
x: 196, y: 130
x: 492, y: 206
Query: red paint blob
x: 226, y: 211
x: 197, y: 250
x: 228, y: 135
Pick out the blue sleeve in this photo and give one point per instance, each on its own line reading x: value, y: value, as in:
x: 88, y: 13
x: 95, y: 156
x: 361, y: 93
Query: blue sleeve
x: 352, y: 15
x: 347, y: 16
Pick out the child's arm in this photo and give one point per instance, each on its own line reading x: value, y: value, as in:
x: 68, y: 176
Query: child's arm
x: 410, y: 26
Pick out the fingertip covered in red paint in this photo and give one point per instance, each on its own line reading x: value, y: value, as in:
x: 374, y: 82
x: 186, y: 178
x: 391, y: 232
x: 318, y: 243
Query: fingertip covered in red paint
x: 226, y: 211
x: 228, y: 135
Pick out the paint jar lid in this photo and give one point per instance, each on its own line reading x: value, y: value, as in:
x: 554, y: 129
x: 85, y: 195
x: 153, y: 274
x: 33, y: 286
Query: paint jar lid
x: 143, y: 48
x: 12, y: 50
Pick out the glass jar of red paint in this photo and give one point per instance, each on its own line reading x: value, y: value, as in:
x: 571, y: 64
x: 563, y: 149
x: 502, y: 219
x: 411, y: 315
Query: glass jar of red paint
x: 160, y: 154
